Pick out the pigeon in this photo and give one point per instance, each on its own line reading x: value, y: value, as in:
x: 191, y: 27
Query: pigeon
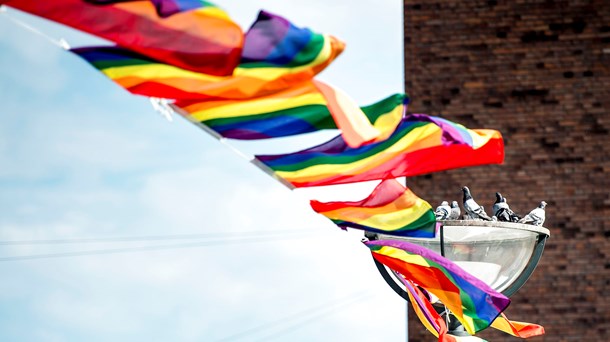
x: 442, y: 211
x: 455, y: 211
x: 502, y: 211
x: 472, y: 209
x: 535, y: 217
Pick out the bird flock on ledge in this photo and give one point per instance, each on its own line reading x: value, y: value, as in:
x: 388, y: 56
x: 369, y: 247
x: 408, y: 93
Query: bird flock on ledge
x: 501, y: 211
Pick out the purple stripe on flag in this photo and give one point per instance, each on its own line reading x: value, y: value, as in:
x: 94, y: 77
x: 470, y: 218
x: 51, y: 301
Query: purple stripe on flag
x: 422, y: 306
x: 452, y: 133
x: 258, y: 42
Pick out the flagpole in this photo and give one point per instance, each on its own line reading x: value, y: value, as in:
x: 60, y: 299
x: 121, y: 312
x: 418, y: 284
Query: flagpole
x: 406, y: 305
x: 407, y: 321
x: 404, y: 67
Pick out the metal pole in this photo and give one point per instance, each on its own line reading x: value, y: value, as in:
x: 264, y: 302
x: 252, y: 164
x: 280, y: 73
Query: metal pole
x: 407, y: 321
x: 442, y: 239
x: 406, y: 302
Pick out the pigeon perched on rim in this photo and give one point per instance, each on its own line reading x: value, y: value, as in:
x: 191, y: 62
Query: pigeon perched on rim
x: 442, y: 211
x: 473, y: 210
x: 502, y: 211
x: 455, y: 211
x: 535, y: 217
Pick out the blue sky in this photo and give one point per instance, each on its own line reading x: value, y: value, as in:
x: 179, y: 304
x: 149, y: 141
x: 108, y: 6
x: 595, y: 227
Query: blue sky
x: 82, y: 158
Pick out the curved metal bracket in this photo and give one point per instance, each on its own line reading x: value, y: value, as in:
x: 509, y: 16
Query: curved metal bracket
x: 388, y: 279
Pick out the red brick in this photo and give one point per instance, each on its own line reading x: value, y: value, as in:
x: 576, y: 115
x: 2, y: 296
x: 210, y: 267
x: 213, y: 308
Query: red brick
x: 546, y: 87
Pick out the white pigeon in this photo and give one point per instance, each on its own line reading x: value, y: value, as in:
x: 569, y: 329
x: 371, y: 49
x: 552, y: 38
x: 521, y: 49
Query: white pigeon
x: 472, y: 209
x: 442, y: 211
x: 455, y: 211
x: 535, y: 217
x: 502, y: 211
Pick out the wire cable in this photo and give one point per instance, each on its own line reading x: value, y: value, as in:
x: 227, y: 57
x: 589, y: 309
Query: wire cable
x: 156, y: 237
x: 315, y: 312
x: 304, y: 322
x: 62, y: 43
x: 149, y: 248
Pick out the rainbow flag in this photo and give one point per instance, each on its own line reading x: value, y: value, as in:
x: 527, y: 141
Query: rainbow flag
x: 297, y: 110
x: 390, y: 209
x: 204, y: 39
x: 419, y: 145
x: 166, y: 8
x: 252, y: 78
x: 433, y: 322
x: 273, y: 41
x: 357, y: 127
x: 517, y: 329
x: 474, y: 303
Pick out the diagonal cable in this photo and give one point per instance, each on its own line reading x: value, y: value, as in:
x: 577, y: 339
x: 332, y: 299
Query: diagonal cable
x: 157, y: 237
x: 151, y: 248
x: 298, y: 317
x: 62, y: 43
x: 313, y: 318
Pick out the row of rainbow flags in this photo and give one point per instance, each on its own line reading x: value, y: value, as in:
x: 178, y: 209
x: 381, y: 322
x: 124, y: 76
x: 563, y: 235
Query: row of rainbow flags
x: 261, y: 85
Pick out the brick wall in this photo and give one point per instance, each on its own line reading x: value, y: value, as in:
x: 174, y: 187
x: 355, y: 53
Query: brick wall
x: 538, y: 71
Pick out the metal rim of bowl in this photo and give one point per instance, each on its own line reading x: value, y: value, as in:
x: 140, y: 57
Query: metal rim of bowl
x: 543, y: 234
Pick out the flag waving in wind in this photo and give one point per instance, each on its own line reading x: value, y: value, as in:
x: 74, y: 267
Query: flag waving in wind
x: 420, y: 144
x: 298, y: 57
x: 390, y: 209
x: 203, y: 39
x: 300, y: 109
x: 475, y: 304
x: 433, y: 322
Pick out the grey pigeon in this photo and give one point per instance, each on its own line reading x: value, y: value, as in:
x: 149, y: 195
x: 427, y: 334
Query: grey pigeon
x: 535, y: 217
x: 455, y: 211
x: 502, y: 211
x: 472, y: 209
x: 442, y: 211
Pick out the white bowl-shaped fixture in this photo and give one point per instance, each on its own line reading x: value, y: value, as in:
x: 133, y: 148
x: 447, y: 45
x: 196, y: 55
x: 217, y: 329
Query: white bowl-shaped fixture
x: 502, y: 254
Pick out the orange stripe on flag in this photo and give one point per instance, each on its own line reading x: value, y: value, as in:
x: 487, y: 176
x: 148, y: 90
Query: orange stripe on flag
x: 350, y: 119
